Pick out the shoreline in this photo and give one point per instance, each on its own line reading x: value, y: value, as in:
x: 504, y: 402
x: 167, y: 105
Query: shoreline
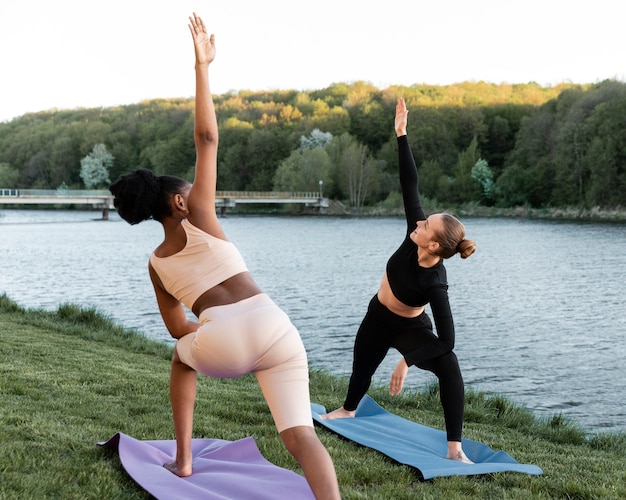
x: 338, y: 209
x: 562, y: 213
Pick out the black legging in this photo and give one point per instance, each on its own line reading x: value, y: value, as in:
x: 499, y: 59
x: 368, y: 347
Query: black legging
x: 382, y: 329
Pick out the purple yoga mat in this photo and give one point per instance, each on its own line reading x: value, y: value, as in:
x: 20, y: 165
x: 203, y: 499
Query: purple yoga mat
x: 221, y: 470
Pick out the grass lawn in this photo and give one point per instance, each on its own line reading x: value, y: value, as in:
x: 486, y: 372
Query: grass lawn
x: 72, y: 378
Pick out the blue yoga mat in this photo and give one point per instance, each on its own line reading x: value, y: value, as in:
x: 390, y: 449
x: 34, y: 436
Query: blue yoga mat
x: 221, y: 470
x: 416, y: 445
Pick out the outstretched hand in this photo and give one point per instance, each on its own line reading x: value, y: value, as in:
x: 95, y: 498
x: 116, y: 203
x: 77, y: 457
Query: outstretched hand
x: 397, y: 377
x: 401, y: 117
x: 203, y: 43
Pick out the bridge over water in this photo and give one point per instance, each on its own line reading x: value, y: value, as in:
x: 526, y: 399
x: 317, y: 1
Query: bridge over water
x: 103, y: 200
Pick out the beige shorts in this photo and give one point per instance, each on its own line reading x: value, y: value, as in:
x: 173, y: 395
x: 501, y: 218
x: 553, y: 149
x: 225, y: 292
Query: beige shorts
x: 254, y: 336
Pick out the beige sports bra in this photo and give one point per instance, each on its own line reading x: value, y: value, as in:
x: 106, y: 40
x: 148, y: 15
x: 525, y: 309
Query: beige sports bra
x: 204, y: 262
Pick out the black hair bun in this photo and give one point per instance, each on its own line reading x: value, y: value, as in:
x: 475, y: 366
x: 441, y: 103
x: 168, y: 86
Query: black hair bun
x: 135, y: 195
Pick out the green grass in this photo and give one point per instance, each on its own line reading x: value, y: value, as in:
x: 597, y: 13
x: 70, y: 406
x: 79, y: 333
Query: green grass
x: 72, y: 378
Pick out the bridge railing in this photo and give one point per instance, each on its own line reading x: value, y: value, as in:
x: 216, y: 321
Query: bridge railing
x: 103, y: 199
x: 267, y: 194
x: 55, y: 192
x: 106, y: 193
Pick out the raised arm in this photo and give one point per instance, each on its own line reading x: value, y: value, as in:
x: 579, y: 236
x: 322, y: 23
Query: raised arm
x: 201, y: 201
x: 407, y: 170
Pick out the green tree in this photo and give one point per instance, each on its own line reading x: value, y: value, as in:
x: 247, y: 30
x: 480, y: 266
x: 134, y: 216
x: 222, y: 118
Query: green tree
x: 513, y: 188
x: 266, y: 148
x: 533, y: 153
x: 173, y: 156
x: 94, y: 168
x: 431, y: 137
x: 482, y: 174
x: 433, y: 182
x: 577, y: 166
x: 303, y: 170
x: 8, y: 176
x: 572, y: 140
x: 335, y: 150
x: 233, y: 168
x: 369, y: 118
x: 37, y: 172
x: 64, y: 156
x: 606, y: 155
x: 465, y: 187
x: 317, y: 138
x: 357, y: 170
x: 335, y: 120
x: 388, y: 180
x: 466, y: 124
x: 503, y: 122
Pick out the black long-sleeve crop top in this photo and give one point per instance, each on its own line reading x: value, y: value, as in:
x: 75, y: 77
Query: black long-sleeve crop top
x: 411, y: 283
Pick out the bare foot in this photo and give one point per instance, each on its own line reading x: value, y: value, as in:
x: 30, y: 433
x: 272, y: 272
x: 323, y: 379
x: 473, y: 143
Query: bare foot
x: 459, y: 457
x: 338, y: 413
x: 184, y: 471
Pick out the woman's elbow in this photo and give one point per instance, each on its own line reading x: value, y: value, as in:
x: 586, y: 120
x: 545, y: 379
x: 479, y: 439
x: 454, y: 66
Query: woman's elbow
x: 180, y: 331
x: 445, y: 344
x: 180, y: 334
x: 206, y: 138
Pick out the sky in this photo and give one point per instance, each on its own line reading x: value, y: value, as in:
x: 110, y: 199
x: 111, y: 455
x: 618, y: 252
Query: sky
x: 66, y: 54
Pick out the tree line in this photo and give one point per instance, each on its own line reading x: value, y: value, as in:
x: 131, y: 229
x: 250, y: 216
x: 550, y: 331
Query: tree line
x: 474, y: 142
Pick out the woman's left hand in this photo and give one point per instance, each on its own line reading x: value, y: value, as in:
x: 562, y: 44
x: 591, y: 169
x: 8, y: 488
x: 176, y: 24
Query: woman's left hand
x: 397, y: 377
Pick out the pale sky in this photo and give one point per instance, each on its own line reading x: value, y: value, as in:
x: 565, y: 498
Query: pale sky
x: 68, y: 54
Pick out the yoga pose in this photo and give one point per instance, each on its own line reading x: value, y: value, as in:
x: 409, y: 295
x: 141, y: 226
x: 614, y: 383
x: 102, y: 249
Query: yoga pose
x: 415, y: 276
x: 240, y: 329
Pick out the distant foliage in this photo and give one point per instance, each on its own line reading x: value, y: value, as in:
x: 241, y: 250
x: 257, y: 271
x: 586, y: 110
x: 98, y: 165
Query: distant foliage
x: 316, y: 139
x: 94, y: 168
x: 8, y: 176
x: 482, y: 174
x: 303, y: 171
x: 473, y: 142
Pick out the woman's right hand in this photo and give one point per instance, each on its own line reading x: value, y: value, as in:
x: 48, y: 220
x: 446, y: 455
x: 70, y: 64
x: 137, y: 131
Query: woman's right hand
x: 401, y: 117
x: 397, y: 377
x: 203, y: 43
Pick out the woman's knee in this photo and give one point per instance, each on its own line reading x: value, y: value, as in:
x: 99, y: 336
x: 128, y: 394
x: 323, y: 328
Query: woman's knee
x: 178, y: 363
x: 299, y: 438
x: 444, y: 365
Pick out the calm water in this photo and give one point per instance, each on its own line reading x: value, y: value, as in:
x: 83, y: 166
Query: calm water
x: 539, y: 309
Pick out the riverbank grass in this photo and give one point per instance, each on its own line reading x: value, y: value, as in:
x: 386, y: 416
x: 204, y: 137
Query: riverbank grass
x: 71, y: 378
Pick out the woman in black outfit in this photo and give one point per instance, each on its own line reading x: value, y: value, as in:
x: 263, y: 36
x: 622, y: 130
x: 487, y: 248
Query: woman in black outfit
x: 415, y: 276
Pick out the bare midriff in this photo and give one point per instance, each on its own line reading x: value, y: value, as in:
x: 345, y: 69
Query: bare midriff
x: 389, y: 300
x: 238, y: 287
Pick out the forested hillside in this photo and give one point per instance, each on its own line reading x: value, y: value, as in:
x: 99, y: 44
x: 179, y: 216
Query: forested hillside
x: 503, y: 145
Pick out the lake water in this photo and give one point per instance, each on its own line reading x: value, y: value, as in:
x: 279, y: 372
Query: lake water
x: 539, y: 309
